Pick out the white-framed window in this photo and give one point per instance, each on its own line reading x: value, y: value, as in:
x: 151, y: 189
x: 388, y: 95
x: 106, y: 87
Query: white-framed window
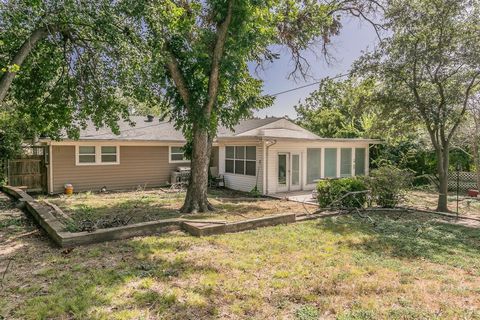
x: 97, y: 155
x: 109, y: 154
x: 314, y: 164
x: 176, y: 154
x: 86, y: 154
x: 241, y: 160
x: 345, y: 162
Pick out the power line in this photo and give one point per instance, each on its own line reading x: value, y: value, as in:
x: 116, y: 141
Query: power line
x: 307, y: 85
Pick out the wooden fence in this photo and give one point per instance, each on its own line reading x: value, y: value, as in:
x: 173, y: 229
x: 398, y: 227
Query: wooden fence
x: 466, y: 180
x: 29, y: 172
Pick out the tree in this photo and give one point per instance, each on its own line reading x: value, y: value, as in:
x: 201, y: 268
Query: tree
x: 340, y: 109
x: 200, y: 55
x: 429, y: 68
x: 65, y: 62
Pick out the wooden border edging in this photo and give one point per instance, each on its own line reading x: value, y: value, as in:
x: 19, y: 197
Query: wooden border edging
x: 201, y: 228
x: 55, y: 228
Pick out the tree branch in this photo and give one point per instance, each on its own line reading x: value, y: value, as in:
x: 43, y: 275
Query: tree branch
x: 176, y: 73
x: 22, y: 53
x: 471, y: 85
x: 213, y: 81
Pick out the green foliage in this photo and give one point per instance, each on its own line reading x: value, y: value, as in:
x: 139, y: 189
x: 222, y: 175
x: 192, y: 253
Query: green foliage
x: 428, y: 69
x: 388, y: 185
x: 307, y: 313
x: 336, y: 108
x: 331, y: 191
x: 82, y: 70
x: 411, y: 154
x: 187, y: 33
x: 349, y: 109
x: 255, y: 192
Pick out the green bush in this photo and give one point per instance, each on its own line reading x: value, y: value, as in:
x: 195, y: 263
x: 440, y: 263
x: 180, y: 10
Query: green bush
x: 388, y: 185
x: 332, y: 190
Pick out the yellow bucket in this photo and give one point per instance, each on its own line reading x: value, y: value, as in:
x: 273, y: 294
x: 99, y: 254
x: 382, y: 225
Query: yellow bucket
x: 68, y: 189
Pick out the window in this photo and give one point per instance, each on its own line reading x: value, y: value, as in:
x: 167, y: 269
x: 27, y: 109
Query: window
x: 241, y: 160
x: 330, y: 162
x: 314, y: 160
x: 97, y: 155
x: 346, y: 162
x: 86, y: 154
x: 177, y: 155
x: 360, y: 161
x: 109, y: 154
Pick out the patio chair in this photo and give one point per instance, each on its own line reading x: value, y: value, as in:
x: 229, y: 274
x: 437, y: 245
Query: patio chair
x: 216, y: 180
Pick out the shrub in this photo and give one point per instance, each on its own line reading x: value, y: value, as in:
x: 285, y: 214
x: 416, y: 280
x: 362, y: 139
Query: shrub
x: 332, y: 190
x: 388, y: 185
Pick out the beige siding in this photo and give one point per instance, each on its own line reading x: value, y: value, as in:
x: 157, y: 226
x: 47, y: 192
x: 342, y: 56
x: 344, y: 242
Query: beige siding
x: 139, y: 166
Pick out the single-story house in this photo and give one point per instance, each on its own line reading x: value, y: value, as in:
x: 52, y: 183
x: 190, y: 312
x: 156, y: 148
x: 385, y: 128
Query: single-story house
x: 274, y: 154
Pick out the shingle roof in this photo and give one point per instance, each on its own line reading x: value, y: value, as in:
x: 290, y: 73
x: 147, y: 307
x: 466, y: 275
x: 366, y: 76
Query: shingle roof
x: 142, y: 130
x: 161, y: 131
x: 246, y: 125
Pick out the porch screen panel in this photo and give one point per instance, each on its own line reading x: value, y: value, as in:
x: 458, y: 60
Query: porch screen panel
x: 330, y: 162
x: 346, y: 162
x: 314, y: 160
x: 360, y: 154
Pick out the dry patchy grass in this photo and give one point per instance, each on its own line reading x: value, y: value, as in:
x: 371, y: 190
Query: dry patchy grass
x: 388, y: 266
x: 427, y: 200
x: 149, y: 205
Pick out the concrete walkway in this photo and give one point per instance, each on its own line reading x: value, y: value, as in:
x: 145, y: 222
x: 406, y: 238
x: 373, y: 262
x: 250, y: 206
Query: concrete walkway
x: 302, y: 196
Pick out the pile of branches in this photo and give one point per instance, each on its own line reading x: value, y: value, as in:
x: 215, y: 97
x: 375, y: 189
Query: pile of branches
x: 91, y: 225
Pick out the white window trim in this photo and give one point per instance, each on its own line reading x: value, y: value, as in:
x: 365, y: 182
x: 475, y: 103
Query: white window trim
x: 98, y: 155
x: 235, y: 159
x: 176, y: 161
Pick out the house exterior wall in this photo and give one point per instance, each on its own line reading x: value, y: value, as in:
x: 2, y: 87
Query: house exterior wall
x: 139, y: 166
x: 300, y: 147
x: 238, y: 181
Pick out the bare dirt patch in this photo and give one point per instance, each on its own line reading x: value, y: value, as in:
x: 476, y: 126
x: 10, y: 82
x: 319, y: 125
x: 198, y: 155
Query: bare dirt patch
x: 427, y: 200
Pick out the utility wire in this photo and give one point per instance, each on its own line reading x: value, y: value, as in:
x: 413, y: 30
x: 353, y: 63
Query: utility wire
x: 307, y: 85
x: 271, y: 95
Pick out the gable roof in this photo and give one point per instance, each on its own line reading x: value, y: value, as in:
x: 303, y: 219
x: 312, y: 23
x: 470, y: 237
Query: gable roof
x: 156, y: 130
x: 245, y: 125
x: 143, y: 130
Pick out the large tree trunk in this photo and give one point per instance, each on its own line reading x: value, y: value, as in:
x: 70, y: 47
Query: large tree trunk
x: 196, y: 198
x: 22, y: 53
x: 442, y: 170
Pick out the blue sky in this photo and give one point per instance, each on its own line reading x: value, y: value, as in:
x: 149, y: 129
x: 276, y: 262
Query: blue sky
x: 355, y: 37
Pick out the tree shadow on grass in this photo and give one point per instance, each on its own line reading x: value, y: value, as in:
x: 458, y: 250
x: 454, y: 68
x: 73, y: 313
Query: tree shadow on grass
x: 410, y: 236
x: 136, y: 278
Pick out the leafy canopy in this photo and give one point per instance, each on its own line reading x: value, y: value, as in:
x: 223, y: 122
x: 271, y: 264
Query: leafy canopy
x: 185, y: 33
x: 82, y: 68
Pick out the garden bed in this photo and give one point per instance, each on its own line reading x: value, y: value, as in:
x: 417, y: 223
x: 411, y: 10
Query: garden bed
x: 92, y: 211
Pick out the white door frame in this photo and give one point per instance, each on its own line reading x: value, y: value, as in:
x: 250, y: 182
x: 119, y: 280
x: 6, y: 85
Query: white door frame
x: 289, y: 167
x: 283, y: 187
x: 298, y: 186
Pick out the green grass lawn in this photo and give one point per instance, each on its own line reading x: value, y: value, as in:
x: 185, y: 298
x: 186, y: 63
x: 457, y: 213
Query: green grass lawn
x: 393, y: 266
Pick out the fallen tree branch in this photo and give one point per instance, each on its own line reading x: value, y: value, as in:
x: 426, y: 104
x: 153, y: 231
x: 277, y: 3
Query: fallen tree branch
x: 5, y: 272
